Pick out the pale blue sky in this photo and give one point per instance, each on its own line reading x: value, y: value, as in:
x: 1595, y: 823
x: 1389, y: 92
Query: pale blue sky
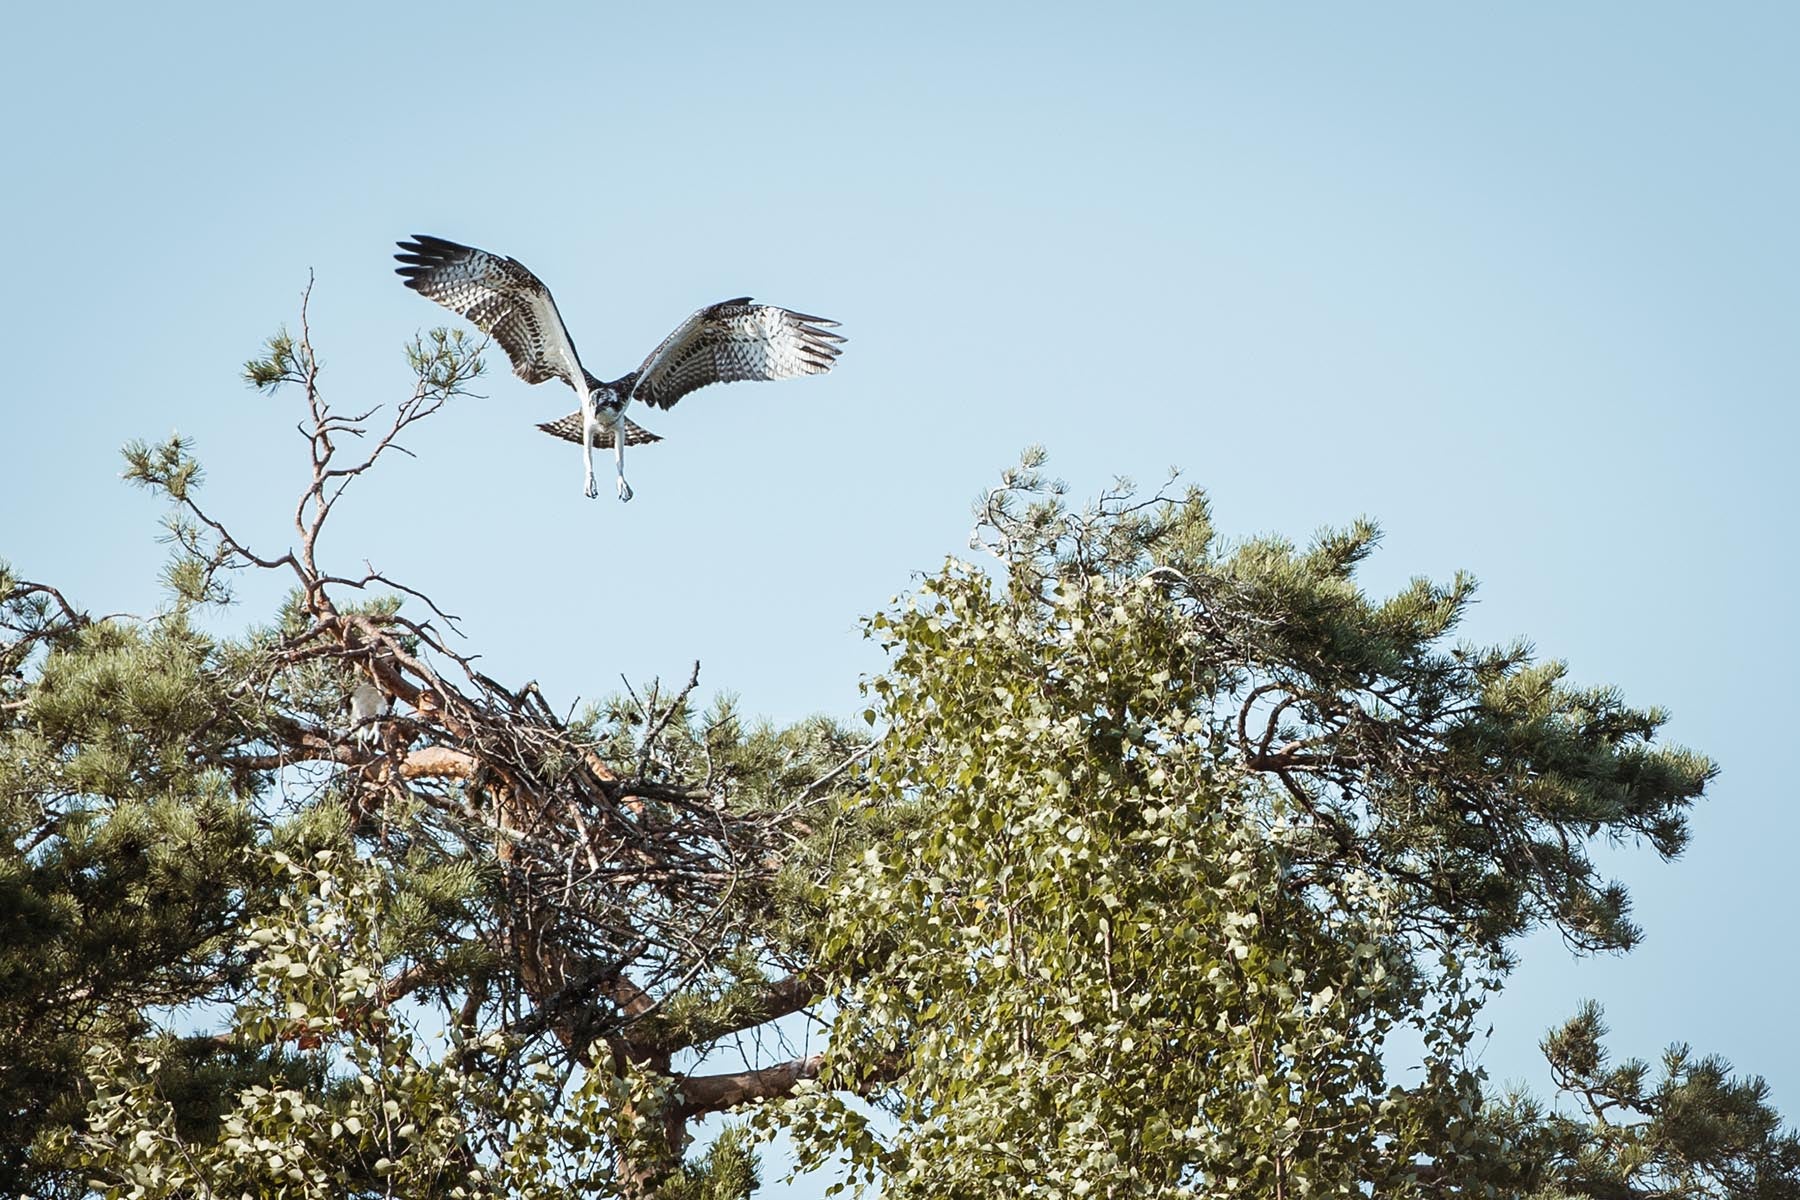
x: 1518, y: 281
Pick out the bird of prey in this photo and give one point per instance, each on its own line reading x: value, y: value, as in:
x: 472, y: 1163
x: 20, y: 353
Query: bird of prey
x: 366, y: 705
x: 731, y: 340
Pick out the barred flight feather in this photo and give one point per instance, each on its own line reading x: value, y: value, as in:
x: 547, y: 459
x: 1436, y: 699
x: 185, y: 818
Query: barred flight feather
x: 569, y: 429
x: 733, y: 340
x: 500, y: 296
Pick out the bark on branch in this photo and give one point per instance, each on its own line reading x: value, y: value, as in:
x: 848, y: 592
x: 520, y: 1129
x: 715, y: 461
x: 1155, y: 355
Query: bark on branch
x: 711, y: 1093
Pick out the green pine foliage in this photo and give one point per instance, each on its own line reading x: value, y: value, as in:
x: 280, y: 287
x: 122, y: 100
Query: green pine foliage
x: 728, y: 1171
x: 124, y: 879
x: 1692, y: 1130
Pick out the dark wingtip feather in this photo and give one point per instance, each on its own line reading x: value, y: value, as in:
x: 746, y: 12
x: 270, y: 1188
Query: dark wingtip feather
x: 426, y: 248
x: 425, y: 253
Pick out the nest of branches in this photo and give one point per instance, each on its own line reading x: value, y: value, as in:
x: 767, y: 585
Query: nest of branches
x: 614, y: 885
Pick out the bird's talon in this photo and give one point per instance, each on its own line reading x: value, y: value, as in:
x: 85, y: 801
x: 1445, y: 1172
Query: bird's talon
x: 624, y: 490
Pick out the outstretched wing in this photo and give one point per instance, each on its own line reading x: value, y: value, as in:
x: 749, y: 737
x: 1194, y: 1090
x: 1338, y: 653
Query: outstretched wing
x: 501, y: 297
x: 734, y: 340
x: 569, y: 429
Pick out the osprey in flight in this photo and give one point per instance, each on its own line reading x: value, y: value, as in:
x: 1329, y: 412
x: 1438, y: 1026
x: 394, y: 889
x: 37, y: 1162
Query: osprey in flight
x: 734, y: 339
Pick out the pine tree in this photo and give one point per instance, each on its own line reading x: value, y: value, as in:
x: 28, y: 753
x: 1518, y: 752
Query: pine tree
x: 1153, y: 846
x: 249, y: 877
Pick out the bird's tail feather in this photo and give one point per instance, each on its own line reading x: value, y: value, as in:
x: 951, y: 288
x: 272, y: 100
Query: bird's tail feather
x: 569, y: 429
